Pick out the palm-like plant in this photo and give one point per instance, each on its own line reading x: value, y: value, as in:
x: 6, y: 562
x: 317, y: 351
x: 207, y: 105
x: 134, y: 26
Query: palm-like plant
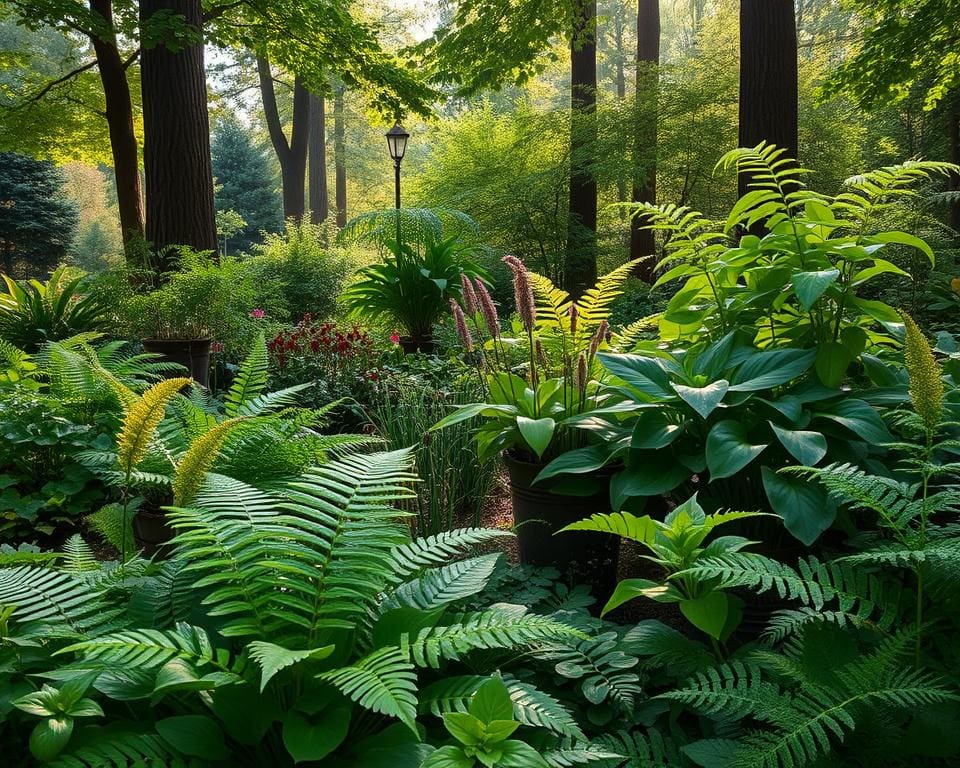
x: 34, y: 312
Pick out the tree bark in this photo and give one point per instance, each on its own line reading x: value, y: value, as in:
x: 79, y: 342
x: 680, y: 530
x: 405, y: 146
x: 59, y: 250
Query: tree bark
x: 768, y: 76
x: 292, y: 154
x: 123, y: 140
x: 580, y: 267
x: 319, y: 202
x: 642, y: 242
x: 340, y: 156
x: 176, y: 147
x: 953, y: 181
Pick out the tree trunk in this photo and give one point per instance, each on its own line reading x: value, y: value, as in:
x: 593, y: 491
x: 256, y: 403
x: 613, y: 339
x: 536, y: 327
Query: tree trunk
x: 620, y: 83
x: 123, y: 140
x: 580, y: 268
x: 292, y: 154
x: 319, y: 203
x: 953, y: 182
x: 768, y: 76
x: 176, y: 147
x: 645, y: 145
x: 339, y: 156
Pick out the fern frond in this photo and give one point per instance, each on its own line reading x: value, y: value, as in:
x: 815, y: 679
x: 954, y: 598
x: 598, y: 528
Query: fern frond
x: 505, y: 626
x: 116, y: 746
x: 642, y: 749
x: 626, y: 339
x: 411, y: 557
x: 198, y: 460
x: 52, y: 598
x: 595, y: 303
x: 553, y: 304
x: 383, y: 682
x: 142, y: 419
x: 873, y: 192
x: 115, y: 527
x: 251, y: 379
x: 150, y: 648
x: 438, y: 587
x: 77, y: 556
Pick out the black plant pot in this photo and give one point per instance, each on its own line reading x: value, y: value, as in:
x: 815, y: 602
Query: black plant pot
x: 192, y: 354
x: 582, y: 557
x: 151, y: 532
x: 411, y: 345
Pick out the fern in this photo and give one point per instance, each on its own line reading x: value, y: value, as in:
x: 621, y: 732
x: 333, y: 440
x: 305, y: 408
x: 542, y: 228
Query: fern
x: 150, y: 648
x: 383, y: 682
x: 410, y: 557
x: 141, y: 421
x: 117, y: 746
x: 642, y: 749
x: 57, y: 601
x: 251, y: 379
x: 602, y: 668
x: 594, y: 304
x: 197, y: 461
x: 77, y: 557
x: 442, y: 586
x: 115, y: 527
x: 500, y: 627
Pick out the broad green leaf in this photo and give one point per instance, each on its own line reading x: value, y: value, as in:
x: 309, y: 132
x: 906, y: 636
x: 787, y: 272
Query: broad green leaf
x: 50, y: 736
x: 499, y: 730
x: 448, y: 757
x: 653, y: 430
x: 492, y: 702
x: 464, y: 727
x: 708, y: 613
x: 194, y: 735
x: 859, y: 418
x: 904, y: 238
x: 519, y: 754
x: 768, y: 369
x: 833, y: 359
x: 703, y: 400
x: 313, y: 737
x: 648, y: 473
x: 805, y: 446
x: 809, y: 286
x: 729, y: 449
x: 629, y: 589
x: 578, y: 461
x: 643, y: 373
x: 854, y: 338
x: 805, y: 507
x: 537, y: 432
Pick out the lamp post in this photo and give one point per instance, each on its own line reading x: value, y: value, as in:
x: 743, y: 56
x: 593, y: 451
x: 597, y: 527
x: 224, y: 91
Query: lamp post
x: 397, y: 144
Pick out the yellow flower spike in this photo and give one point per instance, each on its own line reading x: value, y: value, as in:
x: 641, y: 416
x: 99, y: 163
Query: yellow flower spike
x: 926, y: 384
x: 196, y: 462
x: 141, y: 420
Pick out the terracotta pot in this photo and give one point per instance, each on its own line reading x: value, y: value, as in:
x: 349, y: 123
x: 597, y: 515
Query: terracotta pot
x: 192, y: 354
x: 411, y: 345
x: 583, y: 557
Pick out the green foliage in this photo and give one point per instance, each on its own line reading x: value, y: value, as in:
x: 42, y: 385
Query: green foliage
x: 410, y: 289
x: 33, y: 312
x: 244, y: 184
x: 824, y: 248
x: 36, y: 222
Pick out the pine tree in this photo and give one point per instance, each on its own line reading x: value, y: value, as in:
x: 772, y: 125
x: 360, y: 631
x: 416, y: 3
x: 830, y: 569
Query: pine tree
x: 245, y: 183
x: 37, y: 222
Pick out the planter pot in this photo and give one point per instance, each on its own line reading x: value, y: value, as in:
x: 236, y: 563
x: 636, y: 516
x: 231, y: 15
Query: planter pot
x: 583, y: 557
x: 192, y: 354
x: 151, y: 532
x: 411, y: 345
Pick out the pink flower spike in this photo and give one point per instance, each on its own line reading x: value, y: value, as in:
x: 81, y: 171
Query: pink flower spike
x: 469, y: 296
x: 394, y: 338
x: 258, y: 314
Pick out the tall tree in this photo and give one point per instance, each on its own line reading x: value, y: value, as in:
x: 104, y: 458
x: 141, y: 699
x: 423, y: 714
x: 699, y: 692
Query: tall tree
x: 245, y: 183
x: 768, y: 76
x: 580, y: 266
x: 37, y: 222
x: 176, y: 143
x: 340, y: 154
x: 292, y: 153
x: 119, y: 117
x: 645, y: 143
x: 319, y: 201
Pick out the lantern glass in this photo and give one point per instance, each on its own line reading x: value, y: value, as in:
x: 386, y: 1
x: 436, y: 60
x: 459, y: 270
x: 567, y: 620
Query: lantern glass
x: 397, y: 142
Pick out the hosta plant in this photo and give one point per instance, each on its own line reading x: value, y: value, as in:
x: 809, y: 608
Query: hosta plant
x: 533, y: 398
x: 294, y: 625
x: 796, y: 277
x: 722, y: 419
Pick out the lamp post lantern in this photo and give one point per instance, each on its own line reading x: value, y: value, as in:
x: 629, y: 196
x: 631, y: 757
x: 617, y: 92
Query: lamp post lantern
x: 397, y: 144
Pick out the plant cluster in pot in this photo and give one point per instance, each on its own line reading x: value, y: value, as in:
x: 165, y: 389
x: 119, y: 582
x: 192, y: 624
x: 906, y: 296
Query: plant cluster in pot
x: 541, y: 378
x: 179, y: 319
x: 411, y: 288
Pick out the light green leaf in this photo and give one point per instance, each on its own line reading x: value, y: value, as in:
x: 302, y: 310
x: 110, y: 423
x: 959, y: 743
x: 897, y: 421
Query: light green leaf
x: 708, y: 613
x: 464, y: 727
x: 904, y: 238
x: 50, y: 736
x: 194, y: 735
x: 448, y: 757
x: 809, y: 286
x: 703, y: 400
x: 492, y: 702
x: 537, y: 432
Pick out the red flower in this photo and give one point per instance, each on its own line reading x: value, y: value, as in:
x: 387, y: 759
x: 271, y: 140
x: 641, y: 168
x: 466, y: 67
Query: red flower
x: 394, y: 338
x: 258, y: 314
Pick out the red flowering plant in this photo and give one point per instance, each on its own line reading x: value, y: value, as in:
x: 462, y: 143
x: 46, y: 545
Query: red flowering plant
x: 342, y: 362
x: 541, y: 408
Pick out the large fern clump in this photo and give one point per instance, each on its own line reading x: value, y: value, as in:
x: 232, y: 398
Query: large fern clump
x: 284, y: 619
